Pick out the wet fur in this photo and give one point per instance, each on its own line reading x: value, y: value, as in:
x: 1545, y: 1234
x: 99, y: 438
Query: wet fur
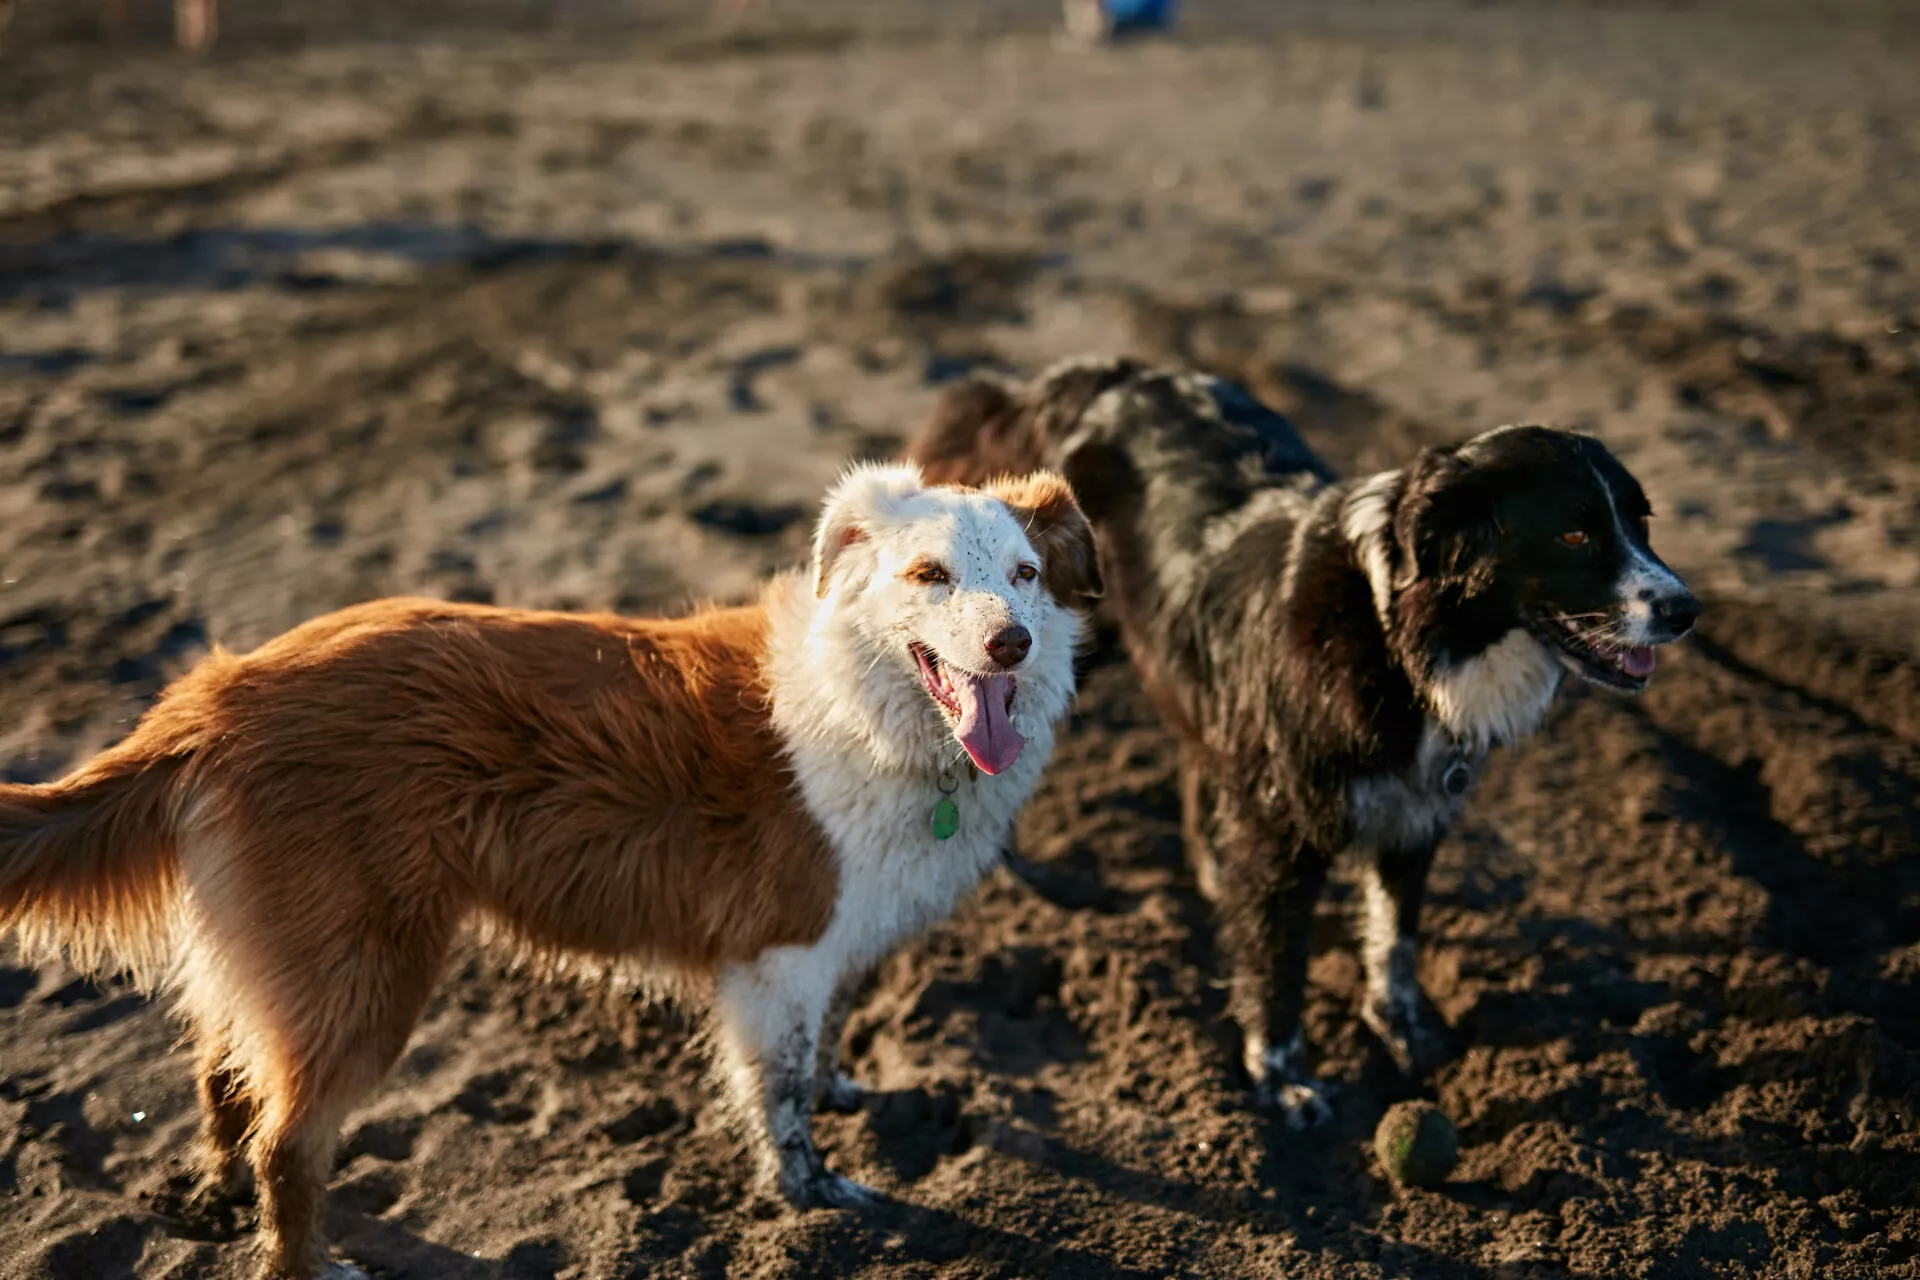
x: 1336, y: 659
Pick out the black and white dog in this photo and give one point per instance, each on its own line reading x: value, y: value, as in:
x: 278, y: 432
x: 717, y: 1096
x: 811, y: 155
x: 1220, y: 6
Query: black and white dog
x: 1336, y: 658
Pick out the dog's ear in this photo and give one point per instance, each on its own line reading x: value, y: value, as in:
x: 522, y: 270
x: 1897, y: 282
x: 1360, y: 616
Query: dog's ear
x: 864, y: 496
x: 838, y: 531
x: 1445, y: 526
x: 1043, y: 503
x: 960, y: 437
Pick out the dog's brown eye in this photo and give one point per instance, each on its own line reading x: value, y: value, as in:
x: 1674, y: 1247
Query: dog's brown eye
x: 1025, y: 573
x: 1575, y: 538
x: 930, y: 575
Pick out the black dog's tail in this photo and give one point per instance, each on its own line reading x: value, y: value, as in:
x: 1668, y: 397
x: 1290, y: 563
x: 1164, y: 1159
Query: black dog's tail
x: 982, y: 428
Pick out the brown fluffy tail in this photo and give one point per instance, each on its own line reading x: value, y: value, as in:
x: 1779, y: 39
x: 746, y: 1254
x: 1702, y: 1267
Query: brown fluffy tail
x: 88, y: 863
x: 981, y: 429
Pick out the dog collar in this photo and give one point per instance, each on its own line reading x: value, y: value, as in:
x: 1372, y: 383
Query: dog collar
x: 1456, y: 779
x: 946, y: 814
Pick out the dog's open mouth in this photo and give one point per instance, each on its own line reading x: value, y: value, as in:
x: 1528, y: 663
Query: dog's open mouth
x: 1595, y: 657
x: 980, y: 709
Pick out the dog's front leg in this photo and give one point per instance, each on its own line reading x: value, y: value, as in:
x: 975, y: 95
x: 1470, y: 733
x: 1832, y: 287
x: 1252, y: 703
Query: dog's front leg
x: 1396, y: 1009
x: 832, y: 1090
x: 1269, y: 882
x: 769, y: 1022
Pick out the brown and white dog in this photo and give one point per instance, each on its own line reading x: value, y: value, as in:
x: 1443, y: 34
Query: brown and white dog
x: 755, y: 803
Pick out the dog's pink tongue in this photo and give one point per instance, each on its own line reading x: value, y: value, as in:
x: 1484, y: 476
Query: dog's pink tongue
x: 985, y: 729
x: 1638, y: 661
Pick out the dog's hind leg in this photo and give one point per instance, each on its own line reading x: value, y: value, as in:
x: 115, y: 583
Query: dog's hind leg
x: 226, y: 1114
x: 770, y: 1015
x: 329, y: 1007
x: 1396, y: 1009
x: 832, y: 1090
x: 1269, y: 882
x: 291, y: 1154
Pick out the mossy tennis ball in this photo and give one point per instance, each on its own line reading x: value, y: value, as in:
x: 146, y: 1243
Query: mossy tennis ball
x: 1416, y: 1144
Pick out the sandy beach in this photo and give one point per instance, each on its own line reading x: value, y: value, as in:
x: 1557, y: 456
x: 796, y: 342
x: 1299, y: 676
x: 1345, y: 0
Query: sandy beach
x: 583, y: 304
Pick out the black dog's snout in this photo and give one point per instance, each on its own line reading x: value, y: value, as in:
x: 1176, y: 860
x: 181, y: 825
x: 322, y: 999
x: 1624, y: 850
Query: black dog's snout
x: 1677, y: 613
x: 1008, y: 647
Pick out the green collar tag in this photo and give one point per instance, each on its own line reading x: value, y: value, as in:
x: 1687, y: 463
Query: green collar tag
x: 946, y: 818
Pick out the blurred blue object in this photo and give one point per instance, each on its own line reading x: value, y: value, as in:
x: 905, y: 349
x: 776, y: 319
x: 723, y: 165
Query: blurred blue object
x: 1140, y: 14
x: 1104, y: 19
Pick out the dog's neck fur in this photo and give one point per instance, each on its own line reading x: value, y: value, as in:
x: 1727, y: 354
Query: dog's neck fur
x: 1493, y: 696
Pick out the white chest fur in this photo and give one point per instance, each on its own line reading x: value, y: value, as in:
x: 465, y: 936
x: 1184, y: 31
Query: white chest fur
x: 896, y: 877
x: 1494, y: 698
x: 1500, y: 694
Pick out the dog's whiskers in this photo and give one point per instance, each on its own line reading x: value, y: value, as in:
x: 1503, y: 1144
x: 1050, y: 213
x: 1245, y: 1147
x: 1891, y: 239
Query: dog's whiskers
x: 1610, y: 634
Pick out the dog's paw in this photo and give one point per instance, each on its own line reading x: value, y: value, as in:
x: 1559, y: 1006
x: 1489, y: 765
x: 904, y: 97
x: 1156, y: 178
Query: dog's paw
x: 822, y: 1188
x: 1282, y: 1082
x: 845, y: 1193
x: 839, y: 1094
x: 1412, y: 1034
x: 1301, y: 1103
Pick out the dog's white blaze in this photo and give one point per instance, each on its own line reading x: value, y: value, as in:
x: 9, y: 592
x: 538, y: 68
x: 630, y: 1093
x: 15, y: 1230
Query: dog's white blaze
x: 868, y: 746
x: 1642, y: 584
x: 1365, y: 521
x: 1500, y: 694
x: 1643, y: 581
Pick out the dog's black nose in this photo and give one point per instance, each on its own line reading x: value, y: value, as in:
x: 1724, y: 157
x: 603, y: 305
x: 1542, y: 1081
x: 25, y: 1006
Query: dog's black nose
x: 1677, y: 613
x: 1008, y: 646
